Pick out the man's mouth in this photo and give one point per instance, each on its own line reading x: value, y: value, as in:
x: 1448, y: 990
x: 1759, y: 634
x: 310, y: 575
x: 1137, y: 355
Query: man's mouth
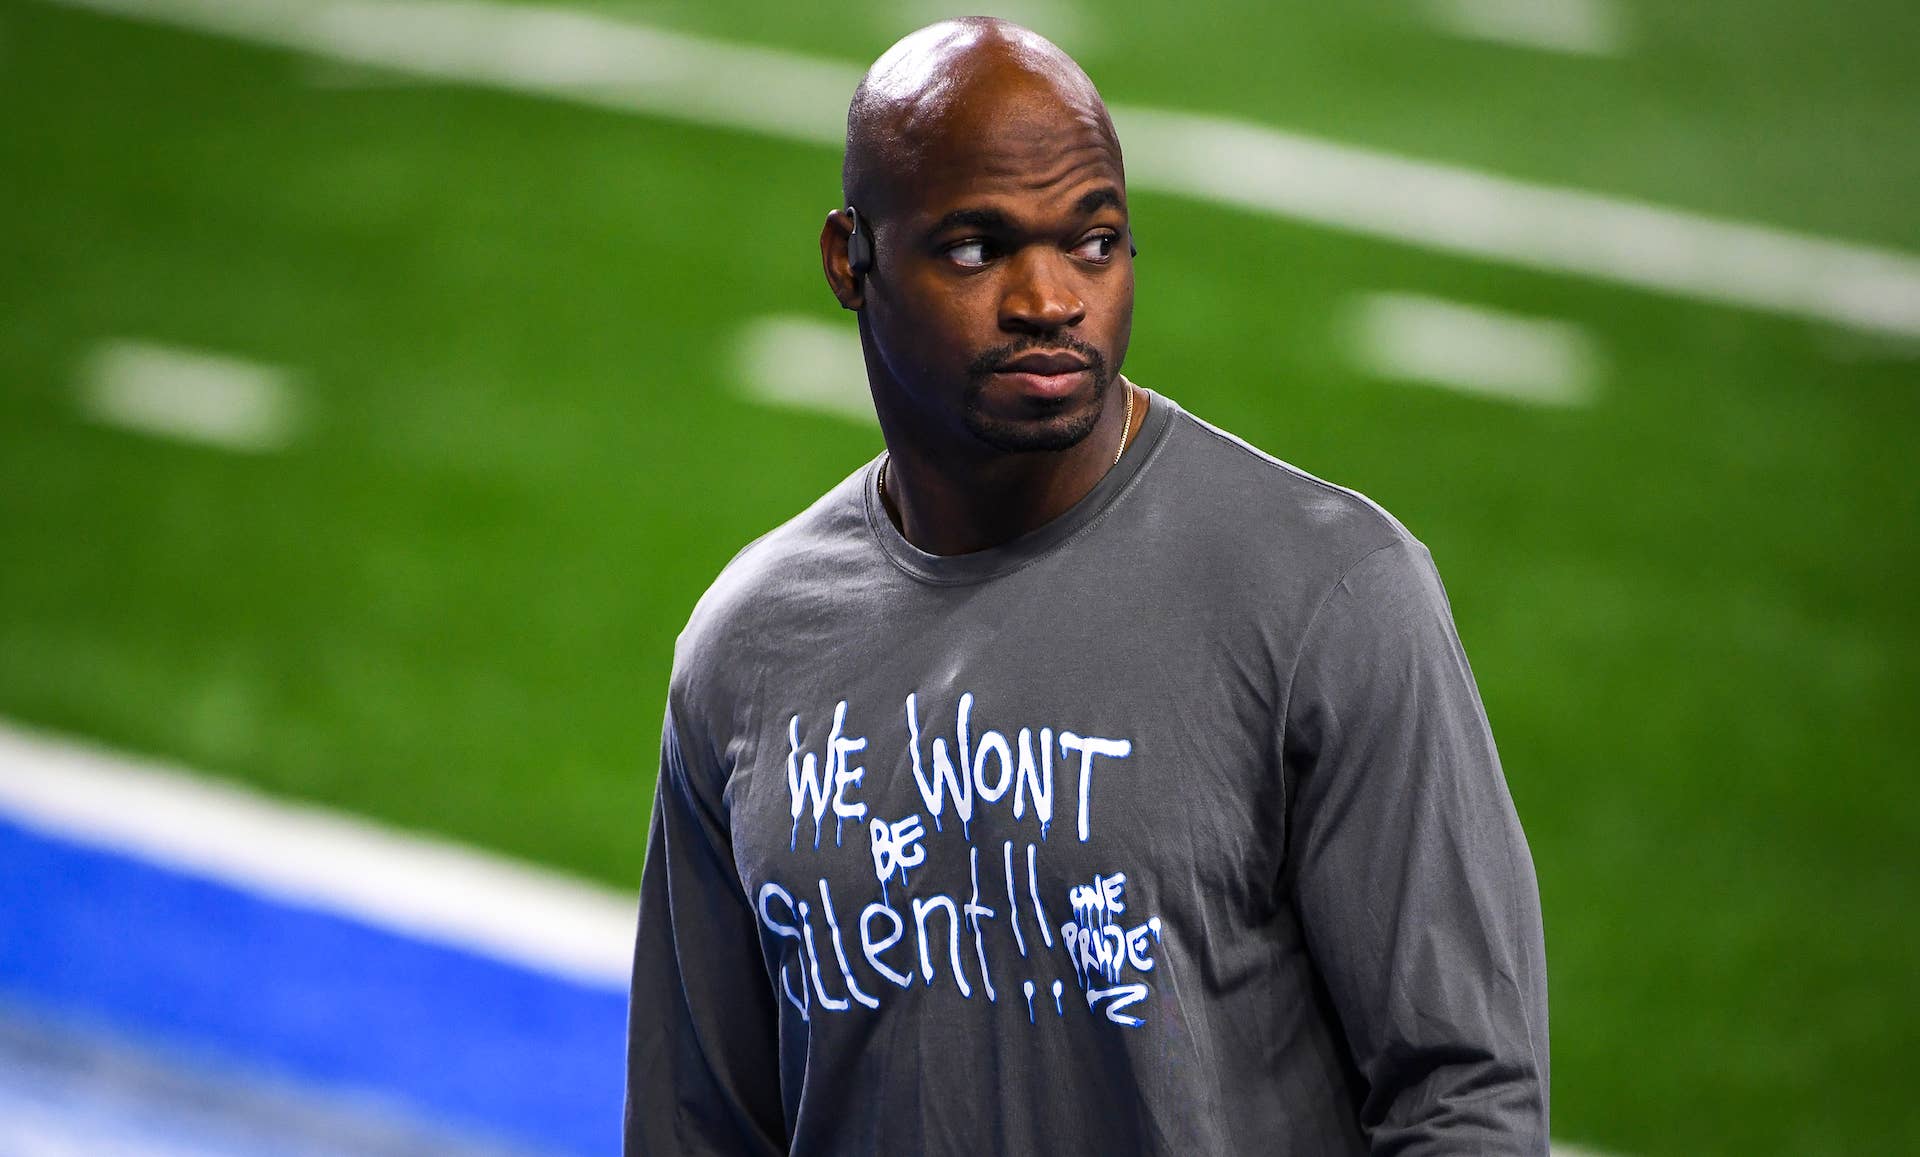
x: 1044, y: 364
x: 1046, y: 377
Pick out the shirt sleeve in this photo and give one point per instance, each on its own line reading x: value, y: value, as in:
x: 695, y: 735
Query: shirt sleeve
x: 702, y: 1034
x: 1412, y: 877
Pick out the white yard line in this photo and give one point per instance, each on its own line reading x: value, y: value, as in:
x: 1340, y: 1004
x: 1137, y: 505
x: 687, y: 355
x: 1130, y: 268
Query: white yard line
x: 1475, y: 350
x: 190, y: 396
x: 1065, y: 22
x: 600, y: 61
x: 1475, y: 214
x: 803, y: 362
x: 309, y: 856
x: 546, y: 51
x: 1577, y: 27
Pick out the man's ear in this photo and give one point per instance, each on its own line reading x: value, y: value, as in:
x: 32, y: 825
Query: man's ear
x: 846, y: 285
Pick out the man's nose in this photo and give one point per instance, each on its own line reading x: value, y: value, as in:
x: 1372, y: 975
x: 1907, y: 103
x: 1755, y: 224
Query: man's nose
x: 1040, y: 294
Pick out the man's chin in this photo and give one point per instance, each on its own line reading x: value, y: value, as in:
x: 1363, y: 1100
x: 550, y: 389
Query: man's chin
x: 1027, y: 425
x: 1019, y: 436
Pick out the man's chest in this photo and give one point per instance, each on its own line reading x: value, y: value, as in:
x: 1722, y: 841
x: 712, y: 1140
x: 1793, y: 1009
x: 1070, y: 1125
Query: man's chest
x: 1051, y: 820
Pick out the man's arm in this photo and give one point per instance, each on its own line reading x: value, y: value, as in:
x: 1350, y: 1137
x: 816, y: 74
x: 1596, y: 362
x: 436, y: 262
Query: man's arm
x: 703, y: 1076
x: 1413, y: 879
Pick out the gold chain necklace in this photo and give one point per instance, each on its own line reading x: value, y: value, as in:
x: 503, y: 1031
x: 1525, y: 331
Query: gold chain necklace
x: 1126, y: 433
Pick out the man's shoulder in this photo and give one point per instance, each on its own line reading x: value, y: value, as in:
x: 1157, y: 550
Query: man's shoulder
x: 814, y: 547
x: 1266, y: 509
x: 1258, y: 524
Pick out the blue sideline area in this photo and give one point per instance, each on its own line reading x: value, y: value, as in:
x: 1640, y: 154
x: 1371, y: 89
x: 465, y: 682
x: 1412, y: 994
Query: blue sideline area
x: 301, y: 999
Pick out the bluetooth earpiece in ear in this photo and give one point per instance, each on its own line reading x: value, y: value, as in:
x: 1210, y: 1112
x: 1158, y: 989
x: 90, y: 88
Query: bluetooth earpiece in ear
x: 859, y: 245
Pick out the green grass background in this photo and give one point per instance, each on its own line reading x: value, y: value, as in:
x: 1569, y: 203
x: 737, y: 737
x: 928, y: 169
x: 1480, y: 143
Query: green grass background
x: 451, y: 606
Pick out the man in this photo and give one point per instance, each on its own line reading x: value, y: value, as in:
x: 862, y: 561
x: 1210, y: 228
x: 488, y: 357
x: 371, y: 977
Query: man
x: 1074, y: 778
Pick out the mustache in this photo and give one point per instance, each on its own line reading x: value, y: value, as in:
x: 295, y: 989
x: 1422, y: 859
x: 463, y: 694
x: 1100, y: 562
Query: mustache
x: 991, y: 360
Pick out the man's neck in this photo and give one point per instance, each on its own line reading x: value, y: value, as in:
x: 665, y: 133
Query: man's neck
x: 951, y: 507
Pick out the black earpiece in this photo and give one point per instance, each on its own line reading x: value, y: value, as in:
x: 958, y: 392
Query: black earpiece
x: 859, y: 245
x: 1132, y: 249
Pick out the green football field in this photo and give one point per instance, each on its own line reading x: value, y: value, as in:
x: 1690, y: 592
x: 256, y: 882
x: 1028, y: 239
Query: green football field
x: 449, y: 600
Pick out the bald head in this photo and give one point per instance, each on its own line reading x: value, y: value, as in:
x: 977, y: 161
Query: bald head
x: 992, y: 222
x: 942, y: 90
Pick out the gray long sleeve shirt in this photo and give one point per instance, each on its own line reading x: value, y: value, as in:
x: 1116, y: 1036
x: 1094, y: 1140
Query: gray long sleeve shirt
x: 1173, y: 827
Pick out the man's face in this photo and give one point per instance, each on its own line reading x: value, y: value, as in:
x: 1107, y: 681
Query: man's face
x: 1001, y: 299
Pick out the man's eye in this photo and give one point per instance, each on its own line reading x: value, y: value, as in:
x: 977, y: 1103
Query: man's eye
x: 1097, y: 248
x: 973, y: 253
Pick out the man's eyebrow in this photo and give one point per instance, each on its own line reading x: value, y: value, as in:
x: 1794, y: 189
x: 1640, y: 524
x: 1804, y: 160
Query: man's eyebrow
x: 990, y: 219
x: 994, y: 221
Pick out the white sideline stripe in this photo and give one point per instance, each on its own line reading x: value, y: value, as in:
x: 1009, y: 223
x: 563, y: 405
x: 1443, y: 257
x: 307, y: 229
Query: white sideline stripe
x: 613, y: 64
x: 1579, y: 27
x: 803, y: 362
x: 421, y: 887
x: 1474, y: 349
x: 321, y: 859
x: 190, y: 395
x: 30, y: 1130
